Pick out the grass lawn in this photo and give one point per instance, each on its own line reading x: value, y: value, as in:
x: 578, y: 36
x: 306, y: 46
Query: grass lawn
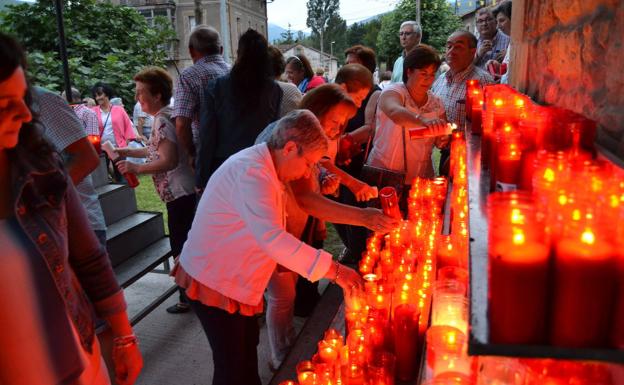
x: 148, y: 200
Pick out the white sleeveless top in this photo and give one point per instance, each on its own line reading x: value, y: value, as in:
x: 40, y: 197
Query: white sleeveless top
x: 387, y: 151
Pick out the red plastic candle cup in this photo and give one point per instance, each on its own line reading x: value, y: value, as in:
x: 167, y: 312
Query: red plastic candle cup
x: 405, y: 330
x: 585, y: 278
x: 95, y: 141
x: 518, y: 270
x: 390, y: 202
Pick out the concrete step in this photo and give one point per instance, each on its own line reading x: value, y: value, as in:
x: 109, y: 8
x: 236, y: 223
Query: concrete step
x: 117, y: 200
x: 133, y: 233
x: 100, y: 174
x: 143, y: 262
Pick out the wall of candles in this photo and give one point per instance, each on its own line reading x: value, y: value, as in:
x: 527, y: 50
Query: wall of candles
x: 548, y: 235
x: 555, y: 256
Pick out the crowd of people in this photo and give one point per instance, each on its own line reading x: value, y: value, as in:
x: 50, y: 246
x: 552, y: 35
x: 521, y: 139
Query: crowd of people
x: 251, y: 161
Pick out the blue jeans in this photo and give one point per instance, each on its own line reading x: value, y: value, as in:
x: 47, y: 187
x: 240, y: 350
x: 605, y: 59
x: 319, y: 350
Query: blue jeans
x: 280, y: 295
x: 233, y: 339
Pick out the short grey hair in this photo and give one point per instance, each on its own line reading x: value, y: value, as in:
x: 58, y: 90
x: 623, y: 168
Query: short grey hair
x: 415, y: 26
x: 205, y: 40
x: 483, y: 10
x: 75, y: 94
x: 302, y: 128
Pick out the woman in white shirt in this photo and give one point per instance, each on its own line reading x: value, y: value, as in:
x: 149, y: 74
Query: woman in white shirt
x: 410, y: 110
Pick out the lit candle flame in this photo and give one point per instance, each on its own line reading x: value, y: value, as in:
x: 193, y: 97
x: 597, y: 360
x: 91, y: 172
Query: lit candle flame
x: 588, y: 237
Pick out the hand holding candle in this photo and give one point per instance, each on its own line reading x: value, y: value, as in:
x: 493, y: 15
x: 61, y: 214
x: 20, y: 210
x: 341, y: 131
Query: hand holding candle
x: 113, y: 155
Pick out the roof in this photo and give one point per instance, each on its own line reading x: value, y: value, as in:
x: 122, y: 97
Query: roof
x: 285, y: 47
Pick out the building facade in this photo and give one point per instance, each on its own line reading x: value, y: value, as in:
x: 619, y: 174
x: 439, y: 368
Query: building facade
x: 239, y: 15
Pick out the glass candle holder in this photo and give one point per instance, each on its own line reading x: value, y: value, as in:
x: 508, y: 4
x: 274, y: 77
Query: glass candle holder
x: 444, y: 339
x: 500, y: 370
x: 381, y: 368
x: 450, y: 311
x: 306, y: 374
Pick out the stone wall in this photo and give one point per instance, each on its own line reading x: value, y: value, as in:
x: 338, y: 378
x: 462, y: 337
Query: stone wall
x: 575, y: 59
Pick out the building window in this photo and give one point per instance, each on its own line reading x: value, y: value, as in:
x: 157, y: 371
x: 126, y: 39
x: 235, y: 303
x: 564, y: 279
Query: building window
x: 191, y: 23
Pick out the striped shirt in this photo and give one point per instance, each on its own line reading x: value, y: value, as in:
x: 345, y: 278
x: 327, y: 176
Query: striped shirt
x: 451, y: 88
x: 62, y: 128
x: 189, y: 94
x: 499, y: 44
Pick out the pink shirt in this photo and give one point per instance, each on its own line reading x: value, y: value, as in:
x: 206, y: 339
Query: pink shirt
x: 122, y: 126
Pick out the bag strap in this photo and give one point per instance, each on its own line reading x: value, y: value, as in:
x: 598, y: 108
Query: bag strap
x: 404, y: 150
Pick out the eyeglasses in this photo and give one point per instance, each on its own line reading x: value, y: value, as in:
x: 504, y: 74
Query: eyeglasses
x: 485, y: 21
x: 404, y: 33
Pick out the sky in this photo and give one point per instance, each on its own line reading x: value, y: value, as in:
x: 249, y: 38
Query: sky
x: 295, y: 12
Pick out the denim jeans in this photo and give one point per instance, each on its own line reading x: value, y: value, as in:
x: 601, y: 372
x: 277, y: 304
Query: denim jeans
x: 234, y: 340
x: 280, y: 295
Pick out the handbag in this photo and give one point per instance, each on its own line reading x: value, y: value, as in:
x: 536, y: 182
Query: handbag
x: 381, y: 177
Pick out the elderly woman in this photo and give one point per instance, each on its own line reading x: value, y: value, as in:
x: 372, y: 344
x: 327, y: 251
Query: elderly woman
x: 300, y: 73
x: 333, y: 107
x: 410, y: 110
x: 166, y: 161
x: 55, y: 270
x: 238, y: 238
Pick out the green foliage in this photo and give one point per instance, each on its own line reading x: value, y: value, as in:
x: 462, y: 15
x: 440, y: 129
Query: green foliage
x: 437, y: 19
x: 335, y: 31
x: 104, y: 43
x: 287, y: 37
x: 319, y: 13
x: 364, y: 34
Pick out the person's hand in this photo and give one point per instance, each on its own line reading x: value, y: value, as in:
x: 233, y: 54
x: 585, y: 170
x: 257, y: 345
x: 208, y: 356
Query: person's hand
x: 348, y: 279
x: 486, y: 46
x: 330, y: 184
x: 443, y: 141
x: 436, y: 126
x: 128, y: 362
x: 124, y: 167
x: 500, y: 56
x: 377, y: 221
x: 363, y: 192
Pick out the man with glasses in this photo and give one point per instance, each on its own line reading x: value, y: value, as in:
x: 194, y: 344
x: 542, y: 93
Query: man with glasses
x: 409, y: 36
x: 492, y: 42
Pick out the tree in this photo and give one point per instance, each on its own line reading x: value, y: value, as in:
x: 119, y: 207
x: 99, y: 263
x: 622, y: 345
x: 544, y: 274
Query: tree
x: 287, y: 37
x: 335, y: 31
x: 319, y: 14
x: 437, y: 19
x: 104, y: 43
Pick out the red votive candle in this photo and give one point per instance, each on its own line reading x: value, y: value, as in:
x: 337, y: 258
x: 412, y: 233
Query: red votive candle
x: 406, y: 340
x: 390, y: 202
x: 584, y: 290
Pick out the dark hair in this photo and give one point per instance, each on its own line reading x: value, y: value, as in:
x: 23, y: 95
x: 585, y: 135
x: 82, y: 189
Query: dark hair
x: 321, y: 99
x: 504, y: 7
x: 278, y: 64
x: 251, y: 74
x: 301, y: 63
x: 30, y: 137
x: 421, y: 57
x: 472, y: 39
x: 158, y: 81
x: 355, y: 77
x: 365, y: 55
x: 103, y: 88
